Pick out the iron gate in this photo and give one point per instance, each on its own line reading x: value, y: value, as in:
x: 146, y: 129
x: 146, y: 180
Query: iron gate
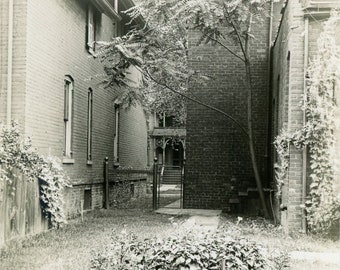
x: 167, y: 186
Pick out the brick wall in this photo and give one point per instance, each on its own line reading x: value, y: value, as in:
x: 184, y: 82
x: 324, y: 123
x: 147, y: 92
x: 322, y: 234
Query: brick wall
x: 133, y: 138
x: 78, y: 200
x: 122, y: 192
x: 288, y: 88
x: 216, y: 149
x: 50, y: 42
x: 18, y: 59
x: 297, y: 36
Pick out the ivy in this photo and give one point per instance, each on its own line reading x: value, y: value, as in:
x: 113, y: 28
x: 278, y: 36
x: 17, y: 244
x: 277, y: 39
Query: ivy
x: 320, y: 106
x: 17, y: 153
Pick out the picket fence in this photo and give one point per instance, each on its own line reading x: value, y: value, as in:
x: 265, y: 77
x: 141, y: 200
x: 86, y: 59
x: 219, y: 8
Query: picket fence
x: 20, y: 210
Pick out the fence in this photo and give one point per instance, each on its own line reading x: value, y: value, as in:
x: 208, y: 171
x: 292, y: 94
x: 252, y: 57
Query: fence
x: 20, y: 210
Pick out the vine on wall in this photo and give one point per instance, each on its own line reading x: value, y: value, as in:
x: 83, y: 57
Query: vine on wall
x: 17, y: 153
x: 320, y: 106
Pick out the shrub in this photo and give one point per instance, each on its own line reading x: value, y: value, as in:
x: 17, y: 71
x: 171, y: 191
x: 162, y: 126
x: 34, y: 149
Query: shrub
x: 16, y: 152
x: 180, y: 252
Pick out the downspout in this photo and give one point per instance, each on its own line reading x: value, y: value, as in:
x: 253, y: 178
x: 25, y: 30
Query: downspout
x: 304, y: 153
x: 9, y: 62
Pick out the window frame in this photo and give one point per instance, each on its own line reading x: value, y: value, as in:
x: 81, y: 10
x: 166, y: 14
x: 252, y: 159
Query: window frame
x: 89, y: 126
x: 116, y: 135
x: 91, y: 29
x: 68, y: 119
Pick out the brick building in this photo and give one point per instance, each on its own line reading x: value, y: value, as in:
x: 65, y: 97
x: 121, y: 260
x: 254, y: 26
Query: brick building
x: 294, y: 47
x: 218, y: 167
x: 51, y: 85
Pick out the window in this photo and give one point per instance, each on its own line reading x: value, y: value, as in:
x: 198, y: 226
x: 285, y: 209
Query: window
x: 87, y: 199
x: 116, y: 135
x: 89, y: 125
x: 68, y: 114
x: 91, y: 28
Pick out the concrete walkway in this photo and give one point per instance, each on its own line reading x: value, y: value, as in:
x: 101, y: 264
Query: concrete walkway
x: 325, y: 257
x: 200, y: 220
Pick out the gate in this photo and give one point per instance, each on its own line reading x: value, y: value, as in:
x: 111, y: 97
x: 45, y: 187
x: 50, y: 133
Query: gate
x: 167, y: 186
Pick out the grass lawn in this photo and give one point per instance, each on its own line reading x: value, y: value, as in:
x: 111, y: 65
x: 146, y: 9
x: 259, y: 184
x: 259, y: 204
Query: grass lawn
x: 72, y: 246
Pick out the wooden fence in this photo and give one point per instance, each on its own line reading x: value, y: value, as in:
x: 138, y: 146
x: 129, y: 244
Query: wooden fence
x: 20, y: 210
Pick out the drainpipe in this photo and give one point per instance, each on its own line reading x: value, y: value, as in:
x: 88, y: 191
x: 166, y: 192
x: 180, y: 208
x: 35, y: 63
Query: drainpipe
x: 9, y: 62
x: 304, y: 153
x: 270, y: 95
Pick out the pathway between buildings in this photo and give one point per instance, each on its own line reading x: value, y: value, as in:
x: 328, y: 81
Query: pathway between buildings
x: 200, y: 220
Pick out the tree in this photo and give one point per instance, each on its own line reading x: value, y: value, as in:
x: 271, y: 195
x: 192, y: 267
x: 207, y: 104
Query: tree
x: 160, y: 52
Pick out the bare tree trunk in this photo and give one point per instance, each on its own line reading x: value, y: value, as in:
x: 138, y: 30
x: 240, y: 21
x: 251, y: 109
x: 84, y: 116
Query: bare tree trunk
x: 251, y: 141
x: 249, y: 86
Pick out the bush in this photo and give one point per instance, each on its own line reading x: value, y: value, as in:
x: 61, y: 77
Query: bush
x: 175, y: 252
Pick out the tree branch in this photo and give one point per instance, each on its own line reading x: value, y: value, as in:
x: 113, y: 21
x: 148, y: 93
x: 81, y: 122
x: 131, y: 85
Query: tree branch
x: 237, y: 33
x: 224, y: 46
x: 244, y: 131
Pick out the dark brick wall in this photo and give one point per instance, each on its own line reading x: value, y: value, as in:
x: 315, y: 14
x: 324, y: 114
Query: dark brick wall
x: 216, y: 149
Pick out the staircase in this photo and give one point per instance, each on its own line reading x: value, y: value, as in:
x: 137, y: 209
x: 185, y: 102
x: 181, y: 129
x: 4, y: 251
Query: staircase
x: 172, y: 175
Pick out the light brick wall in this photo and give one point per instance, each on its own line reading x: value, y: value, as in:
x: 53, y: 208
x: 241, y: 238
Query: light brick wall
x: 56, y: 47
x: 49, y: 43
x: 133, y: 138
x: 288, y: 93
x: 18, y: 59
x: 288, y: 89
x: 76, y: 197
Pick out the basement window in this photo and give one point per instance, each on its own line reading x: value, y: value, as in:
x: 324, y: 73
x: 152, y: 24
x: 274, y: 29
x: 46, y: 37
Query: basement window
x: 87, y: 199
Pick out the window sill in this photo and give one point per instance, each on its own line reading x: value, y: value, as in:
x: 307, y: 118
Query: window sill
x: 92, y: 52
x: 116, y: 164
x: 68, y: 160
x: 89, y: 162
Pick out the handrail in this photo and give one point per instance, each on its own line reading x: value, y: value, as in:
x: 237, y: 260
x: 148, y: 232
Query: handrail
x: 161, y: 175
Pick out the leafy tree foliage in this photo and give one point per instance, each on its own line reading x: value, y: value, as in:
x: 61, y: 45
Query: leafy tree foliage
x: 160, y: 51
